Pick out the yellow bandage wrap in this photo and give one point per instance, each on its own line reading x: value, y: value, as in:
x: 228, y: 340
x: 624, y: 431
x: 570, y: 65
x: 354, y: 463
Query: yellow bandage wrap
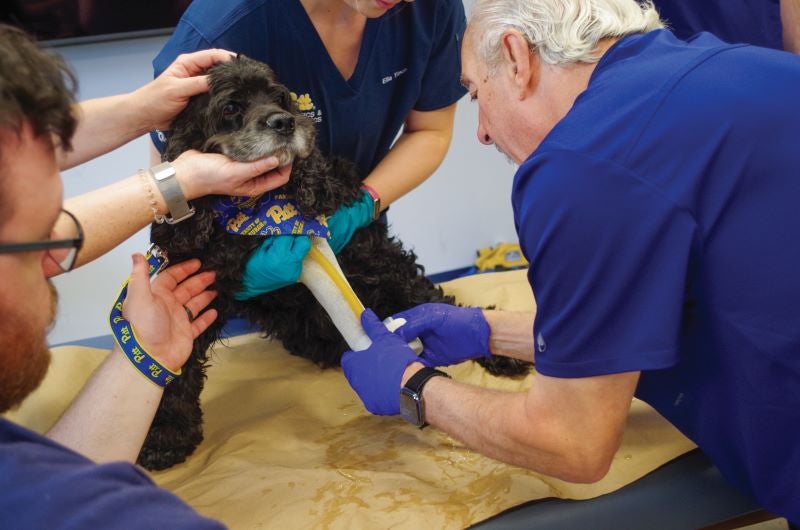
x: 347, y: 291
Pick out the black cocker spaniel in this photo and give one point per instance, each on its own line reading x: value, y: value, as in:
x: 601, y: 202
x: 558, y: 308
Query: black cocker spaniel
x: 247, y: 114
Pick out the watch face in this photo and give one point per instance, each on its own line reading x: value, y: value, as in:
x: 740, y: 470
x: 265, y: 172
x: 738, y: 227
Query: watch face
x: 411, y: 407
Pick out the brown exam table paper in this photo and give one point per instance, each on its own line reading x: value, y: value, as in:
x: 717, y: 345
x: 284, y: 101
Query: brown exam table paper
x: 290, y: 446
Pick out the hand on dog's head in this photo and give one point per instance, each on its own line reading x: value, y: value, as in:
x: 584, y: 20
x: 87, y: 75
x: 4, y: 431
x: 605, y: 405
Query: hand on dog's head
x: 246, y: 115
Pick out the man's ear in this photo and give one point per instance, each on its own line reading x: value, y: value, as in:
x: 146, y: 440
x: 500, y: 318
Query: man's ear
x: 519, y: 62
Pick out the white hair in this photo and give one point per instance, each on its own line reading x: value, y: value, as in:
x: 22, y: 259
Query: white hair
x: 560, y: 31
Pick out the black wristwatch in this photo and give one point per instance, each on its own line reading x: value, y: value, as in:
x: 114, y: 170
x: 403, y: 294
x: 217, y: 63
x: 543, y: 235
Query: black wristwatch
x: 412, y: 406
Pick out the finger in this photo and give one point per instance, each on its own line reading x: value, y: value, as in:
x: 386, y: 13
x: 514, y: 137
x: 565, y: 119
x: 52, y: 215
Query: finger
x: 201, y: 323
x: 249, y: 170
x: 200, y: 61
x: 191, y: 86
x: 411, y: 329
x: 266, y: 244
x: 347, y: 359
x: 300, y: 247
x: 285, y: 170
x: 260, y: 171
x: 282, y: 245
x: 416, y: 322
x: 372, y: 324
x: 170, y: 277
x: 139, y: 293
x: 199, y: 302
x: 266, y: 182
x: 193, y: 286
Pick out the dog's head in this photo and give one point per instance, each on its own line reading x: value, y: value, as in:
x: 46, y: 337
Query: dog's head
x: 246, y: 114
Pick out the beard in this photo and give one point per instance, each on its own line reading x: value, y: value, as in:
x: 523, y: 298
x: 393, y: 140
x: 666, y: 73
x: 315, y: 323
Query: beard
x: 508, y: 157
x: 24, y: 353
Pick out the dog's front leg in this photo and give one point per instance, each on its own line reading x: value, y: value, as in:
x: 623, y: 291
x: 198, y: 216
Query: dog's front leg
x: 177, y: 428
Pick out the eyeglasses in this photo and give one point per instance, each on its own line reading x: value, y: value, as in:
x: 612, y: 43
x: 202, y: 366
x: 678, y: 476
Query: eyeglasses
x: 62, y: 247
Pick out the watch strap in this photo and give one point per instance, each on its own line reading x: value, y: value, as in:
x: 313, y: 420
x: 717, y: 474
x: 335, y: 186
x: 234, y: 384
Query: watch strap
x: 164, y: 176
x: 413, y: 389
x: 417, y: 381
x: 376, y: 201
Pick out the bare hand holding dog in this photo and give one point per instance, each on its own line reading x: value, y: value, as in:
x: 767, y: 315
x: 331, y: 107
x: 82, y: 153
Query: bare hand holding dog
x: 159, y: 312
x: 163, y: 98
x: 215, y: 174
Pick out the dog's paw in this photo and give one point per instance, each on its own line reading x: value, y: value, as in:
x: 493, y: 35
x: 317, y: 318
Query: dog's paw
x: 505, y: 366
x: 166, y: 447
x: 158, y: 460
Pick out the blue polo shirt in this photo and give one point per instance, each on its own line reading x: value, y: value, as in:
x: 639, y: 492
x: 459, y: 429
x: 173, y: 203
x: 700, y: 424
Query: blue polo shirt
x: 755, y: 22
x: 409, y: 59
x: 45, y: 485
x: 661, y: 219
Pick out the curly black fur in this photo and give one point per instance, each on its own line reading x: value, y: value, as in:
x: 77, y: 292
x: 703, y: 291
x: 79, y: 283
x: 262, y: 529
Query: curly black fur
x: 238, y: 117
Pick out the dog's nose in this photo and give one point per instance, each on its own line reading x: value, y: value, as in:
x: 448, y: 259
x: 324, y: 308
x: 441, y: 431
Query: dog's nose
x: 280, y: 122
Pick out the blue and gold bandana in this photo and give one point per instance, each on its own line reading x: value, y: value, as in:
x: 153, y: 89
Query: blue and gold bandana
x: 270, y: 214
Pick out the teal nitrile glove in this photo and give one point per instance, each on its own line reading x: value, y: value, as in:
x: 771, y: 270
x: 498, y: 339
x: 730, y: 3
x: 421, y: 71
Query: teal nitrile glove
x: 277, y: 263
x: 347, y: 219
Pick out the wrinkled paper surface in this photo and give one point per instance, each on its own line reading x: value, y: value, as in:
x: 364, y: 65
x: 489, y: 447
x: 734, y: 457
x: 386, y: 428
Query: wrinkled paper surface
x: 288, y: 445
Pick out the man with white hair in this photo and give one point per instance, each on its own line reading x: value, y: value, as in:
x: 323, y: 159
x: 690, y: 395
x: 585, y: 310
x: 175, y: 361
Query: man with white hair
x: 656, y: 201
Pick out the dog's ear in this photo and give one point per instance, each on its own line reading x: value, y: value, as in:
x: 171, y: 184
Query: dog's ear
x: 188, y: 130
x: 321, y: 184
x: 257, y: 69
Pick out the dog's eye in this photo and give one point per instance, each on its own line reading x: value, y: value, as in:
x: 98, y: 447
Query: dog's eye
x: 231, y: 109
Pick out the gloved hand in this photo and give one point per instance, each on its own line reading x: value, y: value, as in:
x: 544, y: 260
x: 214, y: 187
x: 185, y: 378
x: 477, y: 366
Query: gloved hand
x: 277, y: 263
x: 449, y: 334
x: 347, y: 219
x: 375, y: 373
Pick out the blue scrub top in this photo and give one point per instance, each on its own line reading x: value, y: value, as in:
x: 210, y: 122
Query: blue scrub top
x: 755, y: 22
x: 661, y: 219
x: 409, y: 59
x: 46, y: 485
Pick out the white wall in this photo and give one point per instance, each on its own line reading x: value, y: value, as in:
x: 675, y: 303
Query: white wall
x: 463, y: 207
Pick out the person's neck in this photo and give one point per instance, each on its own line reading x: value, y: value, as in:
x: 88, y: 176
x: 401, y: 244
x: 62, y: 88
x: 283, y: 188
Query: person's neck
x: 562, y: 85
x: 333, y: 13
x: 340, y: 28
x: 554, y: 91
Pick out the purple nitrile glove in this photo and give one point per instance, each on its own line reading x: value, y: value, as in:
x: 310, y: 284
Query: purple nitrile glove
x: 375, y: 373
x: 449, y: 334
